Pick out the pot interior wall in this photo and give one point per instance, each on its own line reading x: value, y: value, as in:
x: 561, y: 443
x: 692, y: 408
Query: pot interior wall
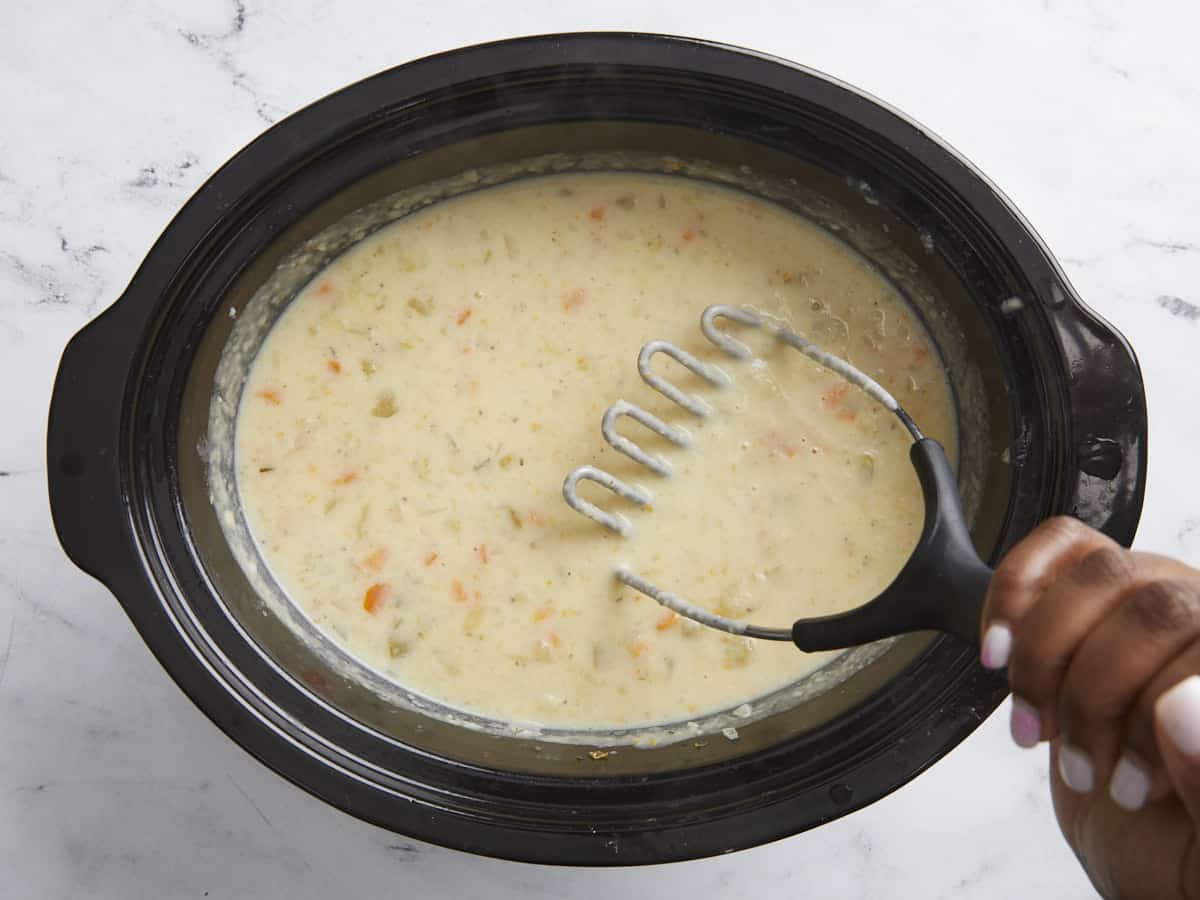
x: 883, y: 214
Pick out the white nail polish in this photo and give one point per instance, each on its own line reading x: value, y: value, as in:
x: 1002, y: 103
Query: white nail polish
x: 1026, y: 724
x: 1130, y: 784
x: 1075, y: 767
x: 997, y: 644
x: 1178, y: 714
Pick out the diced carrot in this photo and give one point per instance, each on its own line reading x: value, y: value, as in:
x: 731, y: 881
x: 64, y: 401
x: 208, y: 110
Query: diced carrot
x: 346, y: 478
x: 374, y: 597
x: 638, y: 648
x: 784, y: 276
x: 543, y: 613
x: 482, y: 550
x: 668, y: 619
x: 689, y: 234
x: 334, y: 366
x: 463, y: 315
x: 535, y: 518
x: 460, y: 592
x: 431, y: 558
x: 575, y: 298
x: 464, y: 350
x: 596, y: 213
x: 846, y: 415
x: 920, y: 352
x: 325, y: 288
x: 836, y: 394
x: 271, y: 396
x: 375, y: 561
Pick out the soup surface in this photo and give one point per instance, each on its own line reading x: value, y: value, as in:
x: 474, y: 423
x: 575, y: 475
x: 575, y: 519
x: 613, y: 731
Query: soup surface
x: 405, y: 430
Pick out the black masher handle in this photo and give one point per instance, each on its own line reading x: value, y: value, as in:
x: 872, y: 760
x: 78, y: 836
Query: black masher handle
x: 942, y: 586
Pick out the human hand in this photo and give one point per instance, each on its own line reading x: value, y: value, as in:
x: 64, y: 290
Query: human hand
x: 1102, y: 646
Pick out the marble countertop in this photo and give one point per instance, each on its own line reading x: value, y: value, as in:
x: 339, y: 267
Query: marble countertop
x: 113, y: 785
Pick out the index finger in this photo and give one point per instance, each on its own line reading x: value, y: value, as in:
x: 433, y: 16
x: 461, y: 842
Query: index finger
x: 1023, y: 575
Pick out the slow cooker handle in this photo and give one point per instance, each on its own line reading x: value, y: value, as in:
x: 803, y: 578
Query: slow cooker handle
x: 1106, y: 406
x: 942, y: 587
x: 82, y: 445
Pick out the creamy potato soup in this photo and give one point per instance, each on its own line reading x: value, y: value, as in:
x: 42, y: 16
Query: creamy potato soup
x: 405, y: 430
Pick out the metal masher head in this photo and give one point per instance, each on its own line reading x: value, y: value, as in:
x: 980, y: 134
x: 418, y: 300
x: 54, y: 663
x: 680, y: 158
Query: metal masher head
x: 944, y: 553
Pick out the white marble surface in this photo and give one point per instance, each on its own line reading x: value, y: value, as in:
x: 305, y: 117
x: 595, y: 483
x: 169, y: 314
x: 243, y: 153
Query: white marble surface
x: 113, y: 785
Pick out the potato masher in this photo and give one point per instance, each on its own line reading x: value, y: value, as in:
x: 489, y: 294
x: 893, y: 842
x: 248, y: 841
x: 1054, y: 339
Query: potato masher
x: 941, y: 587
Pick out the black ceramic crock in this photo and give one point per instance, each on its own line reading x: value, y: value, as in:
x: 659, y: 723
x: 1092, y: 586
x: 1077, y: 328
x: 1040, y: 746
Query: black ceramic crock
x: 1065, y: 433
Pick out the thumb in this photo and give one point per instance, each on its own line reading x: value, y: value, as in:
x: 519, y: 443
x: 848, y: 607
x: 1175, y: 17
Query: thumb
x: 1177, y: 723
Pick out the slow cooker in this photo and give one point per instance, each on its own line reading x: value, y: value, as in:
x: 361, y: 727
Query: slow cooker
x: 1050, y: 404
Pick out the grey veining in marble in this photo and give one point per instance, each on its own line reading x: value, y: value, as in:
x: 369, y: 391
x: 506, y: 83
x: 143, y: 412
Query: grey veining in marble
x: 113, y: 785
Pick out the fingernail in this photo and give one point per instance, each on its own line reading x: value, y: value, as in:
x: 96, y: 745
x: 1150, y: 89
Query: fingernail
x: 1075, y: 767
x: 1178, y: 714
x: 1025, y: 725
x: 1130, y: 784
x: 997, y: 644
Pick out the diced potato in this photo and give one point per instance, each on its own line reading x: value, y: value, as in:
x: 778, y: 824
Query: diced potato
x: 420, y: 306
x: 866, y: 466
x: 604, y: 654
x: 385, y: 406
x: 738, y: 651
